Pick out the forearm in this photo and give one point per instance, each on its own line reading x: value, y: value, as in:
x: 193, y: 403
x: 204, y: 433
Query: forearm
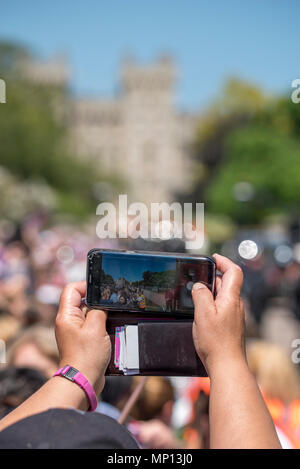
x: 239, y: 417
x: 57, y: 392
x: 83, y: 342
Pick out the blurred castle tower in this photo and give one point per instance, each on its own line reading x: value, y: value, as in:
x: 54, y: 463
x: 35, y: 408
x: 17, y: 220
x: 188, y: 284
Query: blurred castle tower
x: 138, y: 134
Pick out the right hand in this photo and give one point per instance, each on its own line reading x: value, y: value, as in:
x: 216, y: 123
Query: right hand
x: 218, y: 328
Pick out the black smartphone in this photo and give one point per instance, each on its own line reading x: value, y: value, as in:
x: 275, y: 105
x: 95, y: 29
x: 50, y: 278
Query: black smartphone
x: 146, y: 282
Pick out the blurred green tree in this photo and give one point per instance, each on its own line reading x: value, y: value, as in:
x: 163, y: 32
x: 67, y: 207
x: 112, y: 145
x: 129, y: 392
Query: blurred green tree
x: 247, y: 152
x: 34, y: 136
x: 260, y: 175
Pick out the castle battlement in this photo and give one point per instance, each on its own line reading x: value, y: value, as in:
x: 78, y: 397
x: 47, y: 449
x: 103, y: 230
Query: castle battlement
x: 137, y: 134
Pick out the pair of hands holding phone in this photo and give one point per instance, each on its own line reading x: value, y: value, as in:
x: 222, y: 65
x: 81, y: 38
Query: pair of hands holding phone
x: 238, y: 416
x: 218, y: 329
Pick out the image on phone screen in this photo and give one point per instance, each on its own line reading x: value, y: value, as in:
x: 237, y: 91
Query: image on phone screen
x: 143, y: 282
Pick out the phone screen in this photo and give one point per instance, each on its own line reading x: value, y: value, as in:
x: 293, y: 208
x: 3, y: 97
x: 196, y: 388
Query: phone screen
x: 149, y: 283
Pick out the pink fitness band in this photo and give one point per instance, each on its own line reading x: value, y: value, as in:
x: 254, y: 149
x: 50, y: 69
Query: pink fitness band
x: 74, y: 375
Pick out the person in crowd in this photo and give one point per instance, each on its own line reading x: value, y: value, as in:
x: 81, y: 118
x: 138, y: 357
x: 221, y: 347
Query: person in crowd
x: 279, y: 381
x: 114, y: 396
x: 122, y: 300
x: 35, y: 348
x: 196, y: 432
x: 238, y: 416
x: 113, y: 297
x: 106, y: 294
x: 16, y: 385
x: 141, y: 300
x: 153, y: 412
x: 155, y: 401
x: 9, y: 327
x: 255, y: 287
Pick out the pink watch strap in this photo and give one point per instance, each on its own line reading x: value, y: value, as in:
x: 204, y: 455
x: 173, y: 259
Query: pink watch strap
x: 74, y: 375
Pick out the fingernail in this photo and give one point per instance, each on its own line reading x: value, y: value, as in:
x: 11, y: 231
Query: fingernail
x: 197, y: 286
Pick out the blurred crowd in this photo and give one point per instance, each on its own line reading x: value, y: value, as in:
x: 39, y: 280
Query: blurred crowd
x: 35, y: 264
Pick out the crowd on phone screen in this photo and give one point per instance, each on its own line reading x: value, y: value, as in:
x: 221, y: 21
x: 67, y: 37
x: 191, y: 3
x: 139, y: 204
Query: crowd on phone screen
x: 35, y: 264
x: 127, y: 296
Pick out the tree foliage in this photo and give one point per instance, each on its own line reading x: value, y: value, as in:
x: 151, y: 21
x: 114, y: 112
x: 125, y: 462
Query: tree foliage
x: 34, y: 136
x: 255, y: 144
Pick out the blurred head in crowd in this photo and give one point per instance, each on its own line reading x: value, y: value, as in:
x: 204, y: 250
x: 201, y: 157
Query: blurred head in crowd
x: 14, y: 296
x: 155, y: 401
x: 35, y: 348
x: 196, y: 432
x: 9, y: 327
x: 117, y: 390
x: 16, y: 385
x: 275, y: 373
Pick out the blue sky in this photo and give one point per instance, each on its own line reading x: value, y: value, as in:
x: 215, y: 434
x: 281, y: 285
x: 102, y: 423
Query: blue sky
x: 258, y: 40
x: 133, y: 270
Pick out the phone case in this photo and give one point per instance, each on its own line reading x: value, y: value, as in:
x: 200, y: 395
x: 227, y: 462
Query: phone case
x: 166, y: 346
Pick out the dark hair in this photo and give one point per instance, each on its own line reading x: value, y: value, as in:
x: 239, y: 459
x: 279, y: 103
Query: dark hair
x: 16, y: 385
x: 115, y: 388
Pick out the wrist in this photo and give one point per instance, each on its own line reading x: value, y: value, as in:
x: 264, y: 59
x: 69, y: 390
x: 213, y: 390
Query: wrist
x: 75, y: 376
x: 71, y: 395
x: 90, y: 373
x: 225, y: 361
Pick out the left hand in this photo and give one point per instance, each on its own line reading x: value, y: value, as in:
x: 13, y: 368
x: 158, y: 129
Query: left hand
x: 81, y: 336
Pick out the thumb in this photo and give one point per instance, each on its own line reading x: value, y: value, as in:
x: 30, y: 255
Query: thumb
x: 203, y: 301
x: 96, y: 320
